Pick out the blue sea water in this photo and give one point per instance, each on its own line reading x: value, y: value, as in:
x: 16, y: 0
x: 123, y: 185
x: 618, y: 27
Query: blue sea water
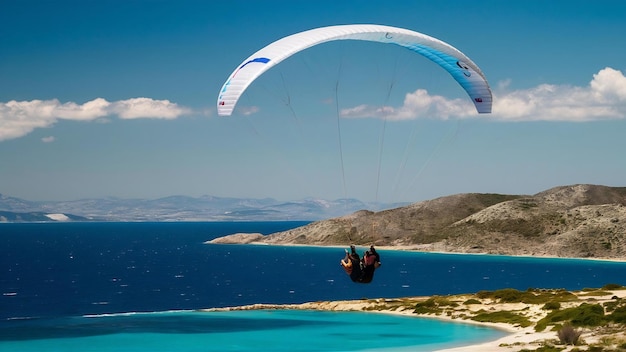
x: 64, y: 285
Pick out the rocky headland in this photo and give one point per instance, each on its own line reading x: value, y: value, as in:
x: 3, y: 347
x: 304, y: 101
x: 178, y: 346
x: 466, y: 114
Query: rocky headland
x: 577, y: 221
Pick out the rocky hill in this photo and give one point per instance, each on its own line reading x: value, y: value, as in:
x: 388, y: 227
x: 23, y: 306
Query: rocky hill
x: 582, y: 221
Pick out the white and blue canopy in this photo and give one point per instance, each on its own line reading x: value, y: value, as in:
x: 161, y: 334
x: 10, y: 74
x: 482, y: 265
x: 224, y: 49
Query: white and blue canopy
x: 464, y: 70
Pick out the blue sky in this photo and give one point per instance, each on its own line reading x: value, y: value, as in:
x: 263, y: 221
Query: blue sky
x: 117, y: 98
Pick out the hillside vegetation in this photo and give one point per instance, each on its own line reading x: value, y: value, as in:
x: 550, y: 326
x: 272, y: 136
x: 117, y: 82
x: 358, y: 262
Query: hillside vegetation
x: 584, y: 221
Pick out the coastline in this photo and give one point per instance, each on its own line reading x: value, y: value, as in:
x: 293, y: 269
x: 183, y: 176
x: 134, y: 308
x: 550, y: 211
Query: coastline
x: 253, y: 239
x: 519, y: 337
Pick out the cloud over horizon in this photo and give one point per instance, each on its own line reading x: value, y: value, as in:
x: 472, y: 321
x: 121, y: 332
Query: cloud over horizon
x: 603, y: 99
x: 19, y: 118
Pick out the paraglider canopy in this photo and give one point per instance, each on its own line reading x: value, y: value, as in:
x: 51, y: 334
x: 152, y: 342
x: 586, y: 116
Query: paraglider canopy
x: 461, y: 67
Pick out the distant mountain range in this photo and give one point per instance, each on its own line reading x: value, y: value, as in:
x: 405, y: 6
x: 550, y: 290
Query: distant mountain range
x: 180, y: 208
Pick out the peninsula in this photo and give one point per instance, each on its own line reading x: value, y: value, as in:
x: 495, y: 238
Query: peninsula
x: 537, y: 320
x: 577, y: 221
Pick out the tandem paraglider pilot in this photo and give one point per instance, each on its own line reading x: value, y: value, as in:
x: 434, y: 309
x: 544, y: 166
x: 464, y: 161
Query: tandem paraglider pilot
x: 361, y: 270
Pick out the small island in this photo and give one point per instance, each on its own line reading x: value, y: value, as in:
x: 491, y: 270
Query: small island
x: 542, y: 320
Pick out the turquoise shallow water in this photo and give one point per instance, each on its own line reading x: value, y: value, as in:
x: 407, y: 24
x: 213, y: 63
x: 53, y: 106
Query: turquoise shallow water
x: 275, y: 330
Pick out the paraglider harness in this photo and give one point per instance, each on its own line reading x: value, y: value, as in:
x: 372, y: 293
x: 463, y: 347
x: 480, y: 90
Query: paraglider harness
x: 363, y: 269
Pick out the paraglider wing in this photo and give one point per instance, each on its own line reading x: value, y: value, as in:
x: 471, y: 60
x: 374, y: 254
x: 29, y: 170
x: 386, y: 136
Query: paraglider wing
x: 464, y: 71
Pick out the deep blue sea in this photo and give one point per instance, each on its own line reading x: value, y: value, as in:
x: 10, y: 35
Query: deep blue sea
x: 132, y: 284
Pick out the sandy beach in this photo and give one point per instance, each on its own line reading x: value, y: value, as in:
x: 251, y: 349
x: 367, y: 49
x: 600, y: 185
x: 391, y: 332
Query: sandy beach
x: 520, y: 338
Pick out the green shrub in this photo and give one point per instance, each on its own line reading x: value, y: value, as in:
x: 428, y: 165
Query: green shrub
x: 434, y: 305
x: 595, y: 349
x: 530, y: 296
x: 549, y: 348
x: 551, y: 306
x: 612, y: 287
x: 427, y: 307
x: 509, y: 295
x: 589, y: 315
x: 444, y: 302
x: 427, y: 303
x: 610, y: 306
x: 597, y: 293
x: 555, y: 296
x: 472, y: 301
x: 583, y: 315
x: 618, y: 315
x: 546, y: 348
x: 484, y: 294
x: 502, y: 317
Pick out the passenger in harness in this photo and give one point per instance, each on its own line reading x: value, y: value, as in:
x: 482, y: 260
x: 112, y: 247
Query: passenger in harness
x: 361, y: 270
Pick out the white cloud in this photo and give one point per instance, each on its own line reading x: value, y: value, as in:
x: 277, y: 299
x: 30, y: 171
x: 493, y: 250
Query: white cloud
x: 610, y: 83
x: 147, y: 108
x: 48, y: 139
x: 88, y: 111
x: 604, y: 98
x: 18, y: 118
x: 416, y: 105
x: 248, y: 110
